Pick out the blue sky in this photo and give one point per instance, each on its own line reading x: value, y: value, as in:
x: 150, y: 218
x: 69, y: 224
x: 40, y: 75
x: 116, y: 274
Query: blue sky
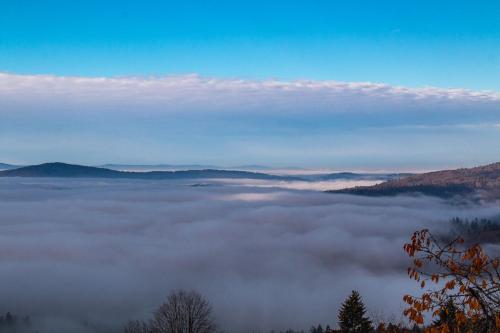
x: 445, y: 44
x: 439, y: 43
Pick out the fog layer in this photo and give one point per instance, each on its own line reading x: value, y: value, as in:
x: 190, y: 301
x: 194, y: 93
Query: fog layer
x: 101, y: 252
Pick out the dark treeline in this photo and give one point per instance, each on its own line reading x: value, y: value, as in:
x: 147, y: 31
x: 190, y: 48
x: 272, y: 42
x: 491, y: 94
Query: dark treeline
x: 189, y: 312
x: 12, y: 323
x: 467, y: 227
x: 441, y: 191
x: 477, y: 230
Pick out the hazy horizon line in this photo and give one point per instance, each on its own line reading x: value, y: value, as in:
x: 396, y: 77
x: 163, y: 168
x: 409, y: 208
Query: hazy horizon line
x: 263, y: 168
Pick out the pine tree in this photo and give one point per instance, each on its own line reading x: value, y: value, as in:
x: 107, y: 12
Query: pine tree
x: 352, y: 315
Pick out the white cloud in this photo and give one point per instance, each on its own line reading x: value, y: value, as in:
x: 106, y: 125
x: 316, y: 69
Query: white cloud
x: 194, y: 93
x: 192, y: 119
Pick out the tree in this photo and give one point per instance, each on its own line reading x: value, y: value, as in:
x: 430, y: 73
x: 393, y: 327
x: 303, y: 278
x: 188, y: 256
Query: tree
x: 457, y: 274
x: 184, y: 312
x: 317, y: 329
x: 352, y: 315
x: 13, y: 323
x: 137, y: 326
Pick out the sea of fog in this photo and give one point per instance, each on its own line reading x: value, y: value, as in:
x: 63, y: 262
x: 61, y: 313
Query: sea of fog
x: 87, y: 255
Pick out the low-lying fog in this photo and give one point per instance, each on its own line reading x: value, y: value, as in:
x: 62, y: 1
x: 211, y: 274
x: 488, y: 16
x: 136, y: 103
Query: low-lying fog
x: 77, y: 254
x: 319, y: 185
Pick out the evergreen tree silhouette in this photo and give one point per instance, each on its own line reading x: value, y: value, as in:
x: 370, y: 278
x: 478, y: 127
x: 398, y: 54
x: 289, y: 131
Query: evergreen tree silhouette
x: 352, y: 317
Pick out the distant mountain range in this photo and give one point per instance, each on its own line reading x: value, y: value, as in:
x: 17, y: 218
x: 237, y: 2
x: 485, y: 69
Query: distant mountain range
x: 171, y: 167
x: 156, y: 167
x: 358, y: 176
x: 78, y: 171
x: 4, y: 166
x: 483, y: 180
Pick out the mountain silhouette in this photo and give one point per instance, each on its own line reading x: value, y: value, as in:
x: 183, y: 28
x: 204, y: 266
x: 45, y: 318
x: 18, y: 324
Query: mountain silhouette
x: 5, y: 166
x: 65, y: 170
